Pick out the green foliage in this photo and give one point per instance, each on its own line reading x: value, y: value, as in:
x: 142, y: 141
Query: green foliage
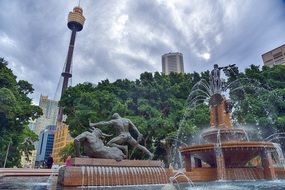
x: 16, y: 110
x: 68, y: 150
x: 261, y: 100
x: 156, y: 103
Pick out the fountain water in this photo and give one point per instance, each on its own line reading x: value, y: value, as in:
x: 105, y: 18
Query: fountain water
x: 179, y: 174
x: 107, y: 172
x: 280, y: 160
x: 226, y: 155
x: 53, y: 174
x: 228, y: 151
x: 82, y: 173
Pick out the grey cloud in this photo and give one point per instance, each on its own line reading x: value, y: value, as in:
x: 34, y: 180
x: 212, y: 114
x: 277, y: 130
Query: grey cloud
x: 236, y: 31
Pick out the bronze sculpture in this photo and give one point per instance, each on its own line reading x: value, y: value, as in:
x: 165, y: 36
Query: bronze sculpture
x: 94, y: 146
x: 122, y: 126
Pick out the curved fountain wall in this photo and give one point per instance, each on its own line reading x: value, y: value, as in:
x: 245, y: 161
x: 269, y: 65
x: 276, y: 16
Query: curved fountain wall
x: 227, y: 153
x: 107, y: 172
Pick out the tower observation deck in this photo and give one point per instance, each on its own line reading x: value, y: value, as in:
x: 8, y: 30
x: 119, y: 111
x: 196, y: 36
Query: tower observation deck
x: 62, y: 137
x: 75, y: 24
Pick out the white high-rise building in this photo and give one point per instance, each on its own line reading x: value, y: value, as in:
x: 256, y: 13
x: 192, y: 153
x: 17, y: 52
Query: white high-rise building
x: 50, y: 110
x: 45, y: 145
x: 274, y: 57
x: 172, y: 62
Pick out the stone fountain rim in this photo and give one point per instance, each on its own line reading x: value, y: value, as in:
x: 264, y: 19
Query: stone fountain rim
x: 223, y: 129
x: 228, y: 144
x: 111, y: 162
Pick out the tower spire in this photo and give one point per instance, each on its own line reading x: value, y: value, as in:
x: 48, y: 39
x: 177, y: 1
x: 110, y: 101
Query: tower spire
x: 75, y: 24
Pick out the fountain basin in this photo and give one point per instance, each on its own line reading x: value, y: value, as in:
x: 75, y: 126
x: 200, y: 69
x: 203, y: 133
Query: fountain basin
x: 215, y: 135
x: 233, y: 160
x: 235, y: 153
x: 38, y: 183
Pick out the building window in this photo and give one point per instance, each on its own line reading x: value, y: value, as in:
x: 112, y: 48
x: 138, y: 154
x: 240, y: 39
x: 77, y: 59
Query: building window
x: 43, y: 135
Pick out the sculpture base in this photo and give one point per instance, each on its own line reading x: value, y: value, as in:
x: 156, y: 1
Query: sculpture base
x: 107, y: 172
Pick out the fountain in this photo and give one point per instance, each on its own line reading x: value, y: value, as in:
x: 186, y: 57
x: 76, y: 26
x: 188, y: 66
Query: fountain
x: 228, y: 154
x: 108, y: 172
x: 105, y: 165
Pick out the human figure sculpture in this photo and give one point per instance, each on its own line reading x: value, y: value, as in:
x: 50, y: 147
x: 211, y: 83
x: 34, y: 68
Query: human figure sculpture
x: 122, y: 126
x: 94, y: 146
x: 215, y: 79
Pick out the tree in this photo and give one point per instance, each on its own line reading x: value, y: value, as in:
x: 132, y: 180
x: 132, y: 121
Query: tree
x: 16, y: 110
x: 68, y: 150
x: 155, y: 103
x: 260, y: 98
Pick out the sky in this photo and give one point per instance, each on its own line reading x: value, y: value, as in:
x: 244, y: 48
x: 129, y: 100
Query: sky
x: 124, y: 38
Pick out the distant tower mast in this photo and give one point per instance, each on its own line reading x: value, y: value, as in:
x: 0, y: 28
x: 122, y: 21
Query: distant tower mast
x: 75, y: 24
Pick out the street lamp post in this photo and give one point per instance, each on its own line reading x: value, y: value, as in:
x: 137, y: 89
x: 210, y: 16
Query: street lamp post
x: 7, y: 154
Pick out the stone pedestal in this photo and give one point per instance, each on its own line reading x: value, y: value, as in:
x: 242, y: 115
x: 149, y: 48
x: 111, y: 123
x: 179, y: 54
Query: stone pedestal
x: 218, y: 115
x: 220, y: 162
x: 187, y: 161
x: 267, y: 164
x: 107, y: 172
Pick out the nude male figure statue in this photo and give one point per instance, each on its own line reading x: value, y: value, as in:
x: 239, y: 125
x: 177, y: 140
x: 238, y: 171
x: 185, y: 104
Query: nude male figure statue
x: 122, y: 126
x: 94, y: 146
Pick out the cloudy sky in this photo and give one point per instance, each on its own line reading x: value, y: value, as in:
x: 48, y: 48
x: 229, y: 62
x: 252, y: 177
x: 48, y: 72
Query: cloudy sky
x: 123, y: 38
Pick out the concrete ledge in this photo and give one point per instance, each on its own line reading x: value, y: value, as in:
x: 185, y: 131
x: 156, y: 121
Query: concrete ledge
x: 26, y: 172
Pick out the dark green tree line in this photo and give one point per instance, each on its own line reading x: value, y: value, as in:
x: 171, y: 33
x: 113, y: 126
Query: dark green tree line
x: 16, y: 110
x: 260, y: 99
x: 156, y: 103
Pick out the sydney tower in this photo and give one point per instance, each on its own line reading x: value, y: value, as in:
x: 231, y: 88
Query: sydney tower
x: 75, y: 24
x: 61, y: 137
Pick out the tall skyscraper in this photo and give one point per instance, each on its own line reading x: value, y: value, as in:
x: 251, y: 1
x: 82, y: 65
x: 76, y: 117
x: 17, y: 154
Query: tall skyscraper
x: 172, y: 62
x: 274, y: 57
x: 32, y: 156
x: 50, y: 110
x: 44, y: 148
x: 75, y: 24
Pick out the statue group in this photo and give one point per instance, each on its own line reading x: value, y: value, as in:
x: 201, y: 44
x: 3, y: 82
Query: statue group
x: 215, y: 77
x: 117, y: 147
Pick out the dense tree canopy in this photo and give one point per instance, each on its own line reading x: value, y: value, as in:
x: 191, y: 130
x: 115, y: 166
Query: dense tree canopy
x: 157, y: 104
x: 260, y: 99
x: 16, y: 110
